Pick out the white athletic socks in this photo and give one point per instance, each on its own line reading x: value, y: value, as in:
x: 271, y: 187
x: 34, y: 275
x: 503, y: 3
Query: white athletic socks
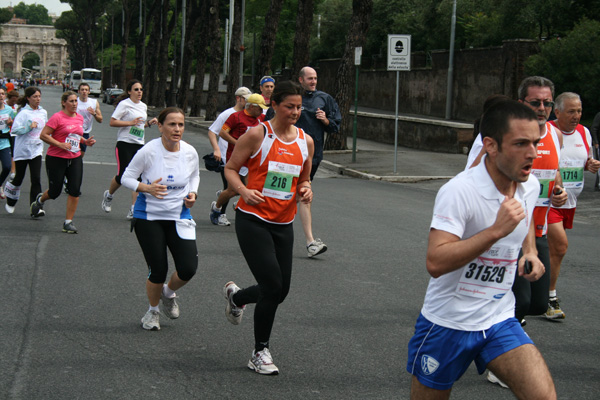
x: 169, y: 294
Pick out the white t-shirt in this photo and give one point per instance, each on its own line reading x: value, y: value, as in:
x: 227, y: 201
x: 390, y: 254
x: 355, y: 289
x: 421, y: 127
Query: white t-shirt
x: 88, y: 118
x: 178, y: 170
x: 573, y: 157
x: 28, y: 144
x: 216, y: 128
x: 475, y: 150
x: 127, y: 110
x: 479, y: 294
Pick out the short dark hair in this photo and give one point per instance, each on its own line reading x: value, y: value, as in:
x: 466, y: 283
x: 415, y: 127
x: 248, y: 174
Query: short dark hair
x: 83, y: 84
x: 285, y: 89
x: 534, y: 81
x: 495, y: 122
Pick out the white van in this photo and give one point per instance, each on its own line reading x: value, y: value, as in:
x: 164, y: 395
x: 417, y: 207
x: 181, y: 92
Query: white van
x: 75, y: 80
x: 92, y: 77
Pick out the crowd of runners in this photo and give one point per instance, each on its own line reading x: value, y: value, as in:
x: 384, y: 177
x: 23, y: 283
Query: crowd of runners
x: 496, y: 242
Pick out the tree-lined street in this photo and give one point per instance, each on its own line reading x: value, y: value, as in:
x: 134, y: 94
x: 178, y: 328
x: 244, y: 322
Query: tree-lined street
x: 73, y: 303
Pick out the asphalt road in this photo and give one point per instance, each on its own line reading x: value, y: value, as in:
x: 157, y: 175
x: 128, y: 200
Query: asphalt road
x: 70, y: 321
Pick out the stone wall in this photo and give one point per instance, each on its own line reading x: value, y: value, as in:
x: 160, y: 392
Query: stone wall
x: 478, y: 73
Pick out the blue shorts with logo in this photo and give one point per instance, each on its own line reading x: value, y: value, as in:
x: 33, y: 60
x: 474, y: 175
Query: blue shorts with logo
x: 439, y: 356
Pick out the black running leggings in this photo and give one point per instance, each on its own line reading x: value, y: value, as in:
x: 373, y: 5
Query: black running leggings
x: 531, y: 298
x: 35, y: 172
x: 267, y: 249
x: 154, y: 237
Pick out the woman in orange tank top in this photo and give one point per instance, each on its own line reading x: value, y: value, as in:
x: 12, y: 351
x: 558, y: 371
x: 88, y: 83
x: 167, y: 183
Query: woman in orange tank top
x: 279, y: 158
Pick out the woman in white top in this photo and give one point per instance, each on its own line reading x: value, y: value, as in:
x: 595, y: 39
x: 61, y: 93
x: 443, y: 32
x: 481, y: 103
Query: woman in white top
x: 130, y: 117
x: 169, y: 172
x: 26, y: 128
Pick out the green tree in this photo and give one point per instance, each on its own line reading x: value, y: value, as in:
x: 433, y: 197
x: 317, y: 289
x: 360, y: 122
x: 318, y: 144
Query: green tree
x: 35, y: 14
x: 572, y: 64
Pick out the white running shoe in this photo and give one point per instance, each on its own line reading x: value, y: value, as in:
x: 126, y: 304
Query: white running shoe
x: 106, y: 201
x: 9, y: 209
x: 262, y: 362
x: 316, y: 247
x: 150, y: 321
x: 494, y: 379
x: 223, y: 221
x: 233, y: 313
x: 170, y: 307
x: 130, y: 214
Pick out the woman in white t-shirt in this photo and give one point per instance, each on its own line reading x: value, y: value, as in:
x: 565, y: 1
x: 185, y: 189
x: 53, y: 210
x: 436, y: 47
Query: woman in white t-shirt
x: 170, y: 177
x: 26, y: 129
x: 130, y: 117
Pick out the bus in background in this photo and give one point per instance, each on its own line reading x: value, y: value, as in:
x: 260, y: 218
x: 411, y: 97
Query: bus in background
x: 92, y: 77
x: 74, y: 80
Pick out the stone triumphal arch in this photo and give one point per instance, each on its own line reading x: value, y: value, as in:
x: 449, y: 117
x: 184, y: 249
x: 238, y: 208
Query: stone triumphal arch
x: 18, y: 40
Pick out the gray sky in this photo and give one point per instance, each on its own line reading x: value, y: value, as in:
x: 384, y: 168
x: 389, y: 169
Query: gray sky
x: 53, y: 6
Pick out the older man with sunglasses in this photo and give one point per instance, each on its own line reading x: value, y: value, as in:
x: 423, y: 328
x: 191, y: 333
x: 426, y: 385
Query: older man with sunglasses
x: 537, y: 92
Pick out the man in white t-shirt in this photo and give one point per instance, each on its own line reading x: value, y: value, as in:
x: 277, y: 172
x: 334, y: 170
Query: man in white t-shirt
x: 575, y: 158
x: 481, y: 219
x: 219, y: 144
x: 89, y: 109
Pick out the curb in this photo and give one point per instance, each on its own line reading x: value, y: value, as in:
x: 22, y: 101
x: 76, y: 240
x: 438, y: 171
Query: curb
x: 342, y: 170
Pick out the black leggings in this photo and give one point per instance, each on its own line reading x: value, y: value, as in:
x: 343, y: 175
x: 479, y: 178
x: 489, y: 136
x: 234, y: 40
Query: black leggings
x: 531, y: 298
x: 225, y: 184
x: 58, y: 169
x: 267, y: 249
x: 154, y: 237
x: 35, y: 172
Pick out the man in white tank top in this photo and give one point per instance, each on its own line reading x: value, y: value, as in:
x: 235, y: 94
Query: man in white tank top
x: 575, y: 158
x: 89, y: 109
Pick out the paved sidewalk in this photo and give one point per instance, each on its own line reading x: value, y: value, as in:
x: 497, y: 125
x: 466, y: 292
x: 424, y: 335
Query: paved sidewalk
x: 375, y: 161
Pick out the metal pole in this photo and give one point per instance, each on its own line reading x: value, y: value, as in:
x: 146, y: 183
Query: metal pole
x: 451, y: 64
x: 242, y: 44
x: 183, y: 23
x: 396, y: 123
x: 226, y: 50
x: 112, y: 37
x: 355, y: 117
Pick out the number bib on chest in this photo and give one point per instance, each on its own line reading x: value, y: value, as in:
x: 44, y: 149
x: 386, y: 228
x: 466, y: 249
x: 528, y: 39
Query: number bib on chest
x: 491, y: 275
x: 3, y: 119
x: 546, y: 178
x: 73, y: 139
x: 136, y: 132
x: 572, y: 173
x: 278, y: 183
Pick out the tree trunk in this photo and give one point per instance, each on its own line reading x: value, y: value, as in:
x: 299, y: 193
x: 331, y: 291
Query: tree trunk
x: 172, y: 100
x: 152, y: 51
x: 127, y: 23
x: 200, y: 55
x: 267, y: 42
x: 233, y: 75
x: 344, y: 85
x: 215, y: 66
x: 304, y: 20
x: 163, y: 55
x: 191, y: 33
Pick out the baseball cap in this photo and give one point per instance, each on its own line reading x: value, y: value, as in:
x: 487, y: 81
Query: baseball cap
x: 243, y: 91
x: 257, y: 100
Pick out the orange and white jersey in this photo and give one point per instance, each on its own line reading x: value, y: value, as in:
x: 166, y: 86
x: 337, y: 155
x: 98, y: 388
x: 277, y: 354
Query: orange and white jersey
x: 274, y: 170
x: 544, y: 168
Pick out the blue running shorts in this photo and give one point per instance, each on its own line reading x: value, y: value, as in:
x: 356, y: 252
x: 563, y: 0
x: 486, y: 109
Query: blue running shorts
x: 439, y: 356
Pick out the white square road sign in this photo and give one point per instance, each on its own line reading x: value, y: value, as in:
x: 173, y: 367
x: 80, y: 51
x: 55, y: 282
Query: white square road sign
x: 398, y: 53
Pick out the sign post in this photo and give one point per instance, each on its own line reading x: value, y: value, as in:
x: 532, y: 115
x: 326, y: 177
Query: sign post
x: 357, y: 54
x: 398, y: 60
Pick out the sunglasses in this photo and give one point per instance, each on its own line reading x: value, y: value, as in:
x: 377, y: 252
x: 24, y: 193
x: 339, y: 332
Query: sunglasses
x: 537, y: 103
x: 141, y: 90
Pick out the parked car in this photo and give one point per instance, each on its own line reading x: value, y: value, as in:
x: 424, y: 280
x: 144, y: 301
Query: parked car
x: 111, y: 94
